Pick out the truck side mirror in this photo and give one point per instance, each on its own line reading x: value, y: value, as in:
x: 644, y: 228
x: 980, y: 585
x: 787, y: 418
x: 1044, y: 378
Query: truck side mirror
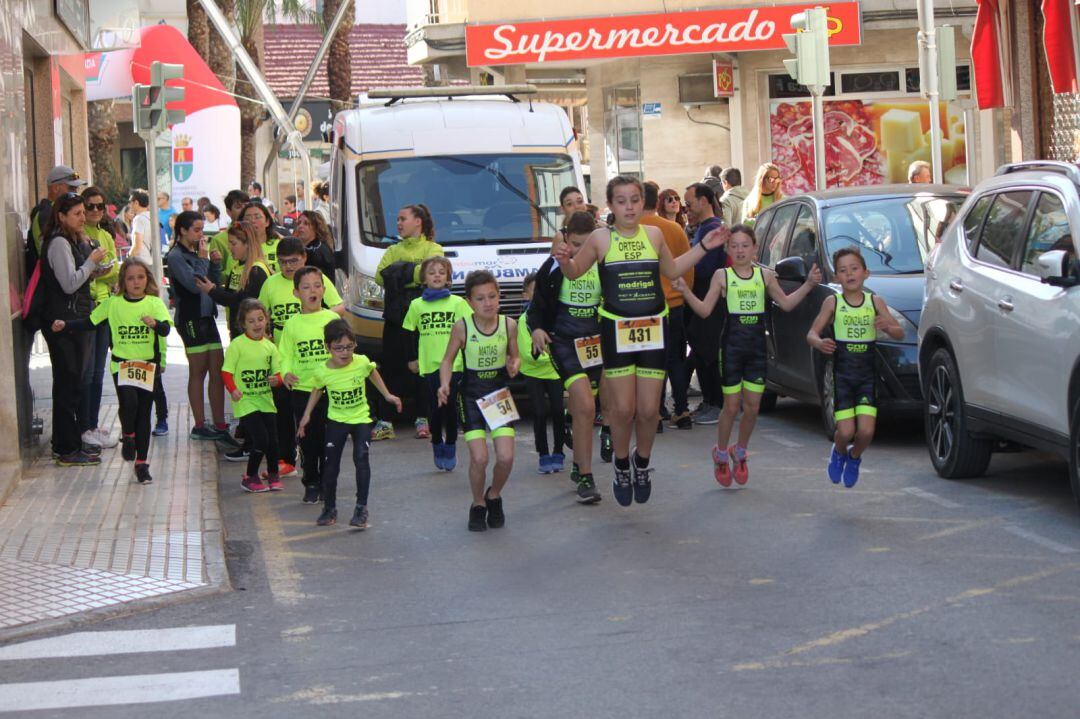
x: 1056, y: 269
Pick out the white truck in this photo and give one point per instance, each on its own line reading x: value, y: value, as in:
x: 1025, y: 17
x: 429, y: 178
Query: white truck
x: 489, y: 164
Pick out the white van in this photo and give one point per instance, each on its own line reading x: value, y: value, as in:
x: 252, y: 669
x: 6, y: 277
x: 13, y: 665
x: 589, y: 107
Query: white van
x: 489, y: 164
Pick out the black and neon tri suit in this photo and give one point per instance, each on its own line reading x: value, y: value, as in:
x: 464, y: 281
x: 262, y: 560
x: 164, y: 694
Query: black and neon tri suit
x: 576, y: 319
x: 485, y: 372
x: 630, y: 285
x: 742, y: 342
x: 854, y: 373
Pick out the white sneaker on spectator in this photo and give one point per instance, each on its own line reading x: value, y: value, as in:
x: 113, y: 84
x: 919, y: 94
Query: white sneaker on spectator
x: 106, y: 439
x: 91, y: 437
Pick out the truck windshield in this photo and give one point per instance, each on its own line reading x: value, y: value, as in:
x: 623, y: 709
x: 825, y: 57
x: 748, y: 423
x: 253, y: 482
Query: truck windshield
x: 474, y: 199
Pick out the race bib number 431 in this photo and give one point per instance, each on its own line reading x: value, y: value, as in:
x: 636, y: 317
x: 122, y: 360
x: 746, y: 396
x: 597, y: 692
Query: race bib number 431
x: 639, y: 334
x: 135, y: 373
x: 498, y: 408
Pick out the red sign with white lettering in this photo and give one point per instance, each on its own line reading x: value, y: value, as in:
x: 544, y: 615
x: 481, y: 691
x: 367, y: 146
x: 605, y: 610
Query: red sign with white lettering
x: 677, y: 33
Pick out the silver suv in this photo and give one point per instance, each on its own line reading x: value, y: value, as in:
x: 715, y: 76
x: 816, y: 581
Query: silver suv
x: 999, y: 340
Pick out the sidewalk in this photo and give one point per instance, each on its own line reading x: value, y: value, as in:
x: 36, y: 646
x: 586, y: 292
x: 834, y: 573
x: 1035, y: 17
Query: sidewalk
x: 84, y: 543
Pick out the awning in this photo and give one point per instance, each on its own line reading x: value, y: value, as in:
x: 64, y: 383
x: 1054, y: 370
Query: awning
x: 1061, y: 37
x: 990, y: 55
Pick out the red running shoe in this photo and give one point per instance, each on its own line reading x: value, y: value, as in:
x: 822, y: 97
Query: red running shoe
x: 721, y: 467
x: 742, y: 470
x: 275, y: 484
x: 252, y: 484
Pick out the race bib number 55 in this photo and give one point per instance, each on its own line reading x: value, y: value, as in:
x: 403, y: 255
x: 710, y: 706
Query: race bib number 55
x: 639, y: 334
x: 588, y: 351
x: 135, y: 373
x: 498, y: 408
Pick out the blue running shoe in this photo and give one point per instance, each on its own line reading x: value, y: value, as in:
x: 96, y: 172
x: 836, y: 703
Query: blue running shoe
x: 558, y: 462
x: 544, y: 465
x: 851, y: 471
x: 449, y: 457
x: 836, y: 465
x: 161, y: 428
x: 623, y: 487
x: 439, y: 451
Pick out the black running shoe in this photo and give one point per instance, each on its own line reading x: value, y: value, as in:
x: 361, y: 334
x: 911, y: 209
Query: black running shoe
x: 660, y: 427
x: 568, y: 430
x: 642, y: 483
x: 477, y: 518
x: 127, y: 449
x: 142, y: 473
x: 312, y: 495
x: 575, y: 473
x: 607, y: 449
x: 328, y: 517
x: 94, y: 450
x: 237, y: 455
x: 495, y: 516
x: 623, y: 488
x: 76, y: 459
x: 359, y: 517
x: 586, y: 490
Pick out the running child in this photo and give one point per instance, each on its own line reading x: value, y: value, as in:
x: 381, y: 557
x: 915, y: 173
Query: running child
x: 432, y: 317
x: 744, y: 287
x: 630, y: 257
x: 545, y: 390
x: 137, y: 319
x: 857, y: 316
x: 278, y: 296
x: 343, y: 379
x: 489, y: 342
x: 303, y: 350
x: 250, y: 371
x: 563, y: 315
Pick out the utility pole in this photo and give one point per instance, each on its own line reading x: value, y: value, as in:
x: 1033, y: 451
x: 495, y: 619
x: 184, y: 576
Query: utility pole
x: 810, y: 67
x: 151, y: 118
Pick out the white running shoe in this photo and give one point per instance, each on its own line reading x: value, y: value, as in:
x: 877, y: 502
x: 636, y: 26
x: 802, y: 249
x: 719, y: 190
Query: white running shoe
x: 106, y: 439
x: 91, y: 437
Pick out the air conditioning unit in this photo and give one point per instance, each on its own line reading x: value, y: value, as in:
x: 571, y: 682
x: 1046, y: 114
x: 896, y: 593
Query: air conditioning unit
x: 697, y: 89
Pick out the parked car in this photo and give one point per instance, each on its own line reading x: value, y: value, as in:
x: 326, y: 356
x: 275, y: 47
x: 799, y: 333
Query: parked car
x: 999, y: 346
x: 895, y: 227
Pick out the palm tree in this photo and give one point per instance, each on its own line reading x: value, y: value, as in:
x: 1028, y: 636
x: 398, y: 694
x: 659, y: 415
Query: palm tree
x: 102, y: 131
x: 250, y: 18
x: 339, y: 62
x: 198, y: 31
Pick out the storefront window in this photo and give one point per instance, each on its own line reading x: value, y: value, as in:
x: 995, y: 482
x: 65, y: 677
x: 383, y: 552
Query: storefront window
x: 623, y: 149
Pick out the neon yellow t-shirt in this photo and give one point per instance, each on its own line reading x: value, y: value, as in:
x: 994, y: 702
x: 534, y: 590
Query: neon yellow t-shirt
x: 252, y: 363
x: 277, y: 295
x: 540, y: 367
x: 132, y: 339
x: 303, y: 347
x: 346, y: 390
x: 220, y: 242
x: 269, y: 249
x: 433, y: 321
x: 101, y: 287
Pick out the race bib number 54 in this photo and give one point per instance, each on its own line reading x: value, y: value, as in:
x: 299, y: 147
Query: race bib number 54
x: 639, y: 334
x: 135, y: 373
x: 498, y: 408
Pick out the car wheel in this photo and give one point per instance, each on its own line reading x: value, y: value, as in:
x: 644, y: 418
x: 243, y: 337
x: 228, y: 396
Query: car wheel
x: 1074, y: 452
x: 768, y: 401
x: 954, y: 453
x: 826, y: 391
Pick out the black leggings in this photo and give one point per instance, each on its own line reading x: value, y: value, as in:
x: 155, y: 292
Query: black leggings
x: 135, y: 406
x: 286, y: 425
x: 395, y: 372
x: 260, y: 434
x: 336, y: 434
x: 314, y: 439
x: 546, y: 399
x: 161, y: 404
x: 443, y: 421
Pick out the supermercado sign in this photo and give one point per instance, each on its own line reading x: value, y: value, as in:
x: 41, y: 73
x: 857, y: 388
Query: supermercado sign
x: 678, y: 33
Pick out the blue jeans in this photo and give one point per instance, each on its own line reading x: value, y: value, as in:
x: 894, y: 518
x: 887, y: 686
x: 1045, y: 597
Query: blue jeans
x: 92, y: 377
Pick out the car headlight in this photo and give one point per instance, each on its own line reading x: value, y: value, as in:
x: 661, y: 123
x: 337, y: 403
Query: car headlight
x: 371, y: 292
x: 911, y: 332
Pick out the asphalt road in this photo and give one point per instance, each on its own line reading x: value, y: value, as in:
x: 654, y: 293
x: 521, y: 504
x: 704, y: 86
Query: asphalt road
x: 907, y: 596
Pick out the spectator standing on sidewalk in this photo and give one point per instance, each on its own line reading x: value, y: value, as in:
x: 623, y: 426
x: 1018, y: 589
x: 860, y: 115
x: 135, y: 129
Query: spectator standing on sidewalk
x: 255, y: 190
x: 141, y: 232
x: 712, y: 179
x: 98, y: 229
x: 669, y: 206
x: 765, y: 192
x: 311, y: 229
x: 731, y: 202
x: 60, y: 179
x: 69, y: 266
x: 322, y: 200
x: 165, y: 213
x: 675, y: 342
x: 704, y: 333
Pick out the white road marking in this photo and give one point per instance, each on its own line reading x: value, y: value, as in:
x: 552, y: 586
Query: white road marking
x: 786, y: 442
x: 931, y: 497
x: 1039, y: 539
x: 90, y: 644
x: 106, y: 691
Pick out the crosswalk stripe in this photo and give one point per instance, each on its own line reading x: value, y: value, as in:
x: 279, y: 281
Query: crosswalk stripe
x: 90, y: 644
x: 106, y: 691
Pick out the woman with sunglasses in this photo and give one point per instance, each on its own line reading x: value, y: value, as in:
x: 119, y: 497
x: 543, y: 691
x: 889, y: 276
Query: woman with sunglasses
x: 765, y: 192
x: 69, y: 266
x: 670, y: 207
x: 98, y: 229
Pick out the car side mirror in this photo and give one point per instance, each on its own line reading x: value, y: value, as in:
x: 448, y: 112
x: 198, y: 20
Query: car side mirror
x: 1055, y: 269
x: 792, y: 269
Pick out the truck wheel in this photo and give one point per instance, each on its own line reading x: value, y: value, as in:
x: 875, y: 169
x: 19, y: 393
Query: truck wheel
x: 954, y: 453
x: 827, y: 393
x: 1074, y: 452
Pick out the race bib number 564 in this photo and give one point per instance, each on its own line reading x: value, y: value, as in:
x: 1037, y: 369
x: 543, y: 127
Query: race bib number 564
x: 639, y: 334
x: 135, y: 373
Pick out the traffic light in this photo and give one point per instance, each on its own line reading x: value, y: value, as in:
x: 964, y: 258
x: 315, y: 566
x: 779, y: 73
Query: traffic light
x: 810, y: 45
x: 151, y: 101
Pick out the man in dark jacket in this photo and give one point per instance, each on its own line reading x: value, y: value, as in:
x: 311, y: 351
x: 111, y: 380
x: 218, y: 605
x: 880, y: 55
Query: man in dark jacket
x: 60, y: 179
